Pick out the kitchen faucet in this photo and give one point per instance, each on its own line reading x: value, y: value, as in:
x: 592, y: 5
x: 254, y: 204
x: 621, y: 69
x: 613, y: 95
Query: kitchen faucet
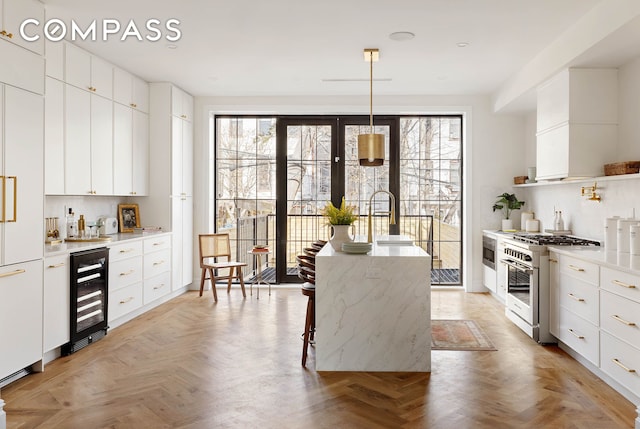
x: 392, y: 221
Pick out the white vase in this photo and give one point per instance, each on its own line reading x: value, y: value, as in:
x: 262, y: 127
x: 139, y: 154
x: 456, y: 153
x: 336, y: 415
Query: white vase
x: 507, y: 224
x: 339, y: 235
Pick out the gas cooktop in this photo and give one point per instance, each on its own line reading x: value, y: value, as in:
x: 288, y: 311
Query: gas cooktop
x: 555, y: 240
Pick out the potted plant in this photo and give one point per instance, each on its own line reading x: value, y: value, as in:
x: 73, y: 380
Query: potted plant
x: 339, y: 219
x: 507, y: 203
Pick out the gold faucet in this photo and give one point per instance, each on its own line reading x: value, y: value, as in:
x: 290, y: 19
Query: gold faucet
x: 586, y: 190
x: 392, y: 221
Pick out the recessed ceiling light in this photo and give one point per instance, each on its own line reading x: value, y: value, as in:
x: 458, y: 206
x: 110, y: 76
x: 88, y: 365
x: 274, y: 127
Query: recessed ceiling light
x: 401, y: 36
x: 171, y: 46
x: 462, y: 44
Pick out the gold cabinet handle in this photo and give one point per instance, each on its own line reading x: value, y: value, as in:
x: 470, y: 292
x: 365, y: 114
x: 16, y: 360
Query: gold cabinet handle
x: 133, y: 105
x: 554, y: 261
x: 158, y: 243
x: 124, y: 301
x: 621, y: 365
x: 158, y: 287
x: 127, y: 250
x: 619, y: 283
x: 12, y: 273
x: 15, y: 198
x: 4, y: 33
x: 91, y: 88
x: 574, y: 268
x: 183, y: 116
x: 126, y: 273
x: 578, y: 336
x: 572, y: 296
x: 158, y: 263
x: 61, y: 264
x: 621, y: 320
x: 4, y: 201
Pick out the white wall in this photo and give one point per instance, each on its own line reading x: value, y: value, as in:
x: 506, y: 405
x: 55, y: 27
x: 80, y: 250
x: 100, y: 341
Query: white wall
x: 586, y: 218
x: 494, y: 148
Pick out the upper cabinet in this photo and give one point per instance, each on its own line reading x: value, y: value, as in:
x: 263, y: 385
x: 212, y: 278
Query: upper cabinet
x: 577, y: 123
x: 12, y: 15
x: 181, y: 104
x: 88, y: 72
x: 130, y: 90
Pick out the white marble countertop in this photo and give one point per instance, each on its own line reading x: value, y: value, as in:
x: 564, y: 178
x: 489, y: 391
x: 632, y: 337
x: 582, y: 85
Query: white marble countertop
x: 384, y: 250
x: 612, y: 259
x: 61, y: 249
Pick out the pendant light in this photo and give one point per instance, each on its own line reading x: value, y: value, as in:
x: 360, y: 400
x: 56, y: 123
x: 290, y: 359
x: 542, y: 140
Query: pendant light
x: 371, y: 146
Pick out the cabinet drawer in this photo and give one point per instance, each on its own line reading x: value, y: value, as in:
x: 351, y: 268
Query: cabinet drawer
x: 125, y: 250
x: 580, y: 335
x: 579, y: 297
x: 621, y: 362
x: 156, y: 263
x: 124, y: 301
x: 125, y: 272
x: 579, y: 269
x: 156, y: 287
x: 155, y: 244
x: 620, y: 283
x: 620, y: 317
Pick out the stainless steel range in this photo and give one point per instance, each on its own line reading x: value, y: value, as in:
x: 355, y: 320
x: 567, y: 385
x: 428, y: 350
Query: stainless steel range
x: 527, y: 262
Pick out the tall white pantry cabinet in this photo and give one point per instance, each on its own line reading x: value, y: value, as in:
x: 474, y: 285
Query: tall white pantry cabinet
x: 21, y: 196
x: 170, y: 200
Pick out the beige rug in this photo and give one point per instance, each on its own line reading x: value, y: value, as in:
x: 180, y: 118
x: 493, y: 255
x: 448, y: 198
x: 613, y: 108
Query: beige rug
x: 459, y: 335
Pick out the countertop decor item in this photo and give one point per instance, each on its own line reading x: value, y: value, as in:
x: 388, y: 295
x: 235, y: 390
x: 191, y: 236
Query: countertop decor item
x: 129, y: 215
x: 371, y: 146
x: 340, y: 219
x: 617, y: 168
x: 507, y: 203
x: 519, y: 180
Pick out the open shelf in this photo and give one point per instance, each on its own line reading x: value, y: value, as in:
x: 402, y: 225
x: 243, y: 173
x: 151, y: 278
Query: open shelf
x: 580, y: 180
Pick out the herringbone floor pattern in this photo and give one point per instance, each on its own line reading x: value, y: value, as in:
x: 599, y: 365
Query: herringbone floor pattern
x: 192, y: 363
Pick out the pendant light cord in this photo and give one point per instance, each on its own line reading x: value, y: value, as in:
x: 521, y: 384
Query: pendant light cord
x: 370, y: 92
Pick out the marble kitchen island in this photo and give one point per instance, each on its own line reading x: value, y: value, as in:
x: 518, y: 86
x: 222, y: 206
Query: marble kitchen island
x: 373, y: 311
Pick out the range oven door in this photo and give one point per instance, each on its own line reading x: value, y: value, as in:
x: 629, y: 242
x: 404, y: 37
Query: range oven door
x: 522, y: 291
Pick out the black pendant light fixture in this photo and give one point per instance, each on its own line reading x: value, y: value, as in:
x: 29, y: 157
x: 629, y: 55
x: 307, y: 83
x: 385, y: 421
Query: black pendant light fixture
x: 371, y: 146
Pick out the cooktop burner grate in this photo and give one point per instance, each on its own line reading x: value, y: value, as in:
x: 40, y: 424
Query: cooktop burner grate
x: 555, y: 240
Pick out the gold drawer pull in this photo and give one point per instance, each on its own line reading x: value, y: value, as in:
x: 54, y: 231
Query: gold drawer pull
x: 158, y: 287
x: 124, y: 301
x: 159, y: 243
x: 621, y: 320
x: 555, y: 261
x: 619, y: 283
x: 127, y: 250
x: 572, y: 296
x: 158, y: 263
x: 574, y: 268
x: 128, y: 273
x: 12, y: 273
x: 580, y: 337
x: 61, y: 264
x: 621, y: 365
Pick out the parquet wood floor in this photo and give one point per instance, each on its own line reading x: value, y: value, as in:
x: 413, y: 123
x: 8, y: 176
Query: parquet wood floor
x: 192, y: 363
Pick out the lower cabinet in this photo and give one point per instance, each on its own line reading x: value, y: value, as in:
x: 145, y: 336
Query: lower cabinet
x: 579, y: 334
x: 56, y: 302
x: 157, y: 268
x: 20, y: 316
x: 621, y: 361
x: 125, y: 300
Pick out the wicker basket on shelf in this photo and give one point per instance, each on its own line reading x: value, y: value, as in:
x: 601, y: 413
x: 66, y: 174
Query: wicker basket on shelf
x: 519, y: 180
x: 617, y: 168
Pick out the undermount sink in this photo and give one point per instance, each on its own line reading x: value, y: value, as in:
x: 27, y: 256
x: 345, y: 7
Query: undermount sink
x: 394, y: 240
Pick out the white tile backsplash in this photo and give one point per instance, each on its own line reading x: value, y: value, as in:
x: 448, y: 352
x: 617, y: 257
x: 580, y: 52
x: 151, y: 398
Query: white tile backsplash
x: 90, y: 206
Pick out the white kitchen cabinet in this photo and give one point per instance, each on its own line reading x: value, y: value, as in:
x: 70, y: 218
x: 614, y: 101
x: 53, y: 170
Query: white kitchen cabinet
x: 125, y: 278
x: 130, y: 151
x: 130, y: 90
x: 181, y: 104
x: 54, y: 137
x: 501, y: 270
x: 88, y: 143
x: 56, y: 302
x: 576, y: 123
x: 88, y: 72
x: 55, y: 59
x: 21, y: 68
x: 157, y: 268
x: 20, y: 316
x: 554, y: 292
x: 12, y: 14
x: 171, y: 170
x: 22, y: 171
x: 124, y: 301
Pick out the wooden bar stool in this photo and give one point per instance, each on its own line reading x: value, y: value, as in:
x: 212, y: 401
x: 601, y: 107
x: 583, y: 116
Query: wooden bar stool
x: 306, y: 271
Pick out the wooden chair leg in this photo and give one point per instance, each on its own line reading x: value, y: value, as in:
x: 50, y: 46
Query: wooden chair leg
x: 229, y: 279
x: 241, y: 278
x: 202, y: 279
x: 307, y: 326
x: 312, y: 328
x: 213, y: 284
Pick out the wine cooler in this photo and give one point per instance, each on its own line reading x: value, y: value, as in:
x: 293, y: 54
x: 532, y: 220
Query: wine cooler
x: 89, y: 300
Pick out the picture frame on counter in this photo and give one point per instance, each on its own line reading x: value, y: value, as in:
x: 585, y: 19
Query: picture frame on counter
x: 129, y: 217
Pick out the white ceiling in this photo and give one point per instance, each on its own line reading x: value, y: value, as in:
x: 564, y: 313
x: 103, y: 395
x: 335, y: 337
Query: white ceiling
x: 287, y: 47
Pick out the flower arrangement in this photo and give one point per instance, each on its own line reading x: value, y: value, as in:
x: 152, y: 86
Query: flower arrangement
x: 507, y: 203
x: 339, y: 216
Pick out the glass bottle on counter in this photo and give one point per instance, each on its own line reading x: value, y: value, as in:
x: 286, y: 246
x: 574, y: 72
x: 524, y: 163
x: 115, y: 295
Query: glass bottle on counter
x: 559, y: 223
x: 81, y: 227
x: 72, y: 225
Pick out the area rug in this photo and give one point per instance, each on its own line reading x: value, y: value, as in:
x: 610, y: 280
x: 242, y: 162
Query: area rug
x: 459, y: 335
